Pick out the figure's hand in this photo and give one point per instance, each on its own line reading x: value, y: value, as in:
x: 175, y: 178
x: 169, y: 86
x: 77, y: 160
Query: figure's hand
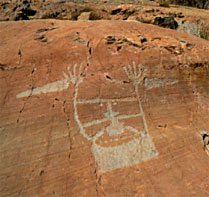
x: 135, y: 73
x: 77, y: 75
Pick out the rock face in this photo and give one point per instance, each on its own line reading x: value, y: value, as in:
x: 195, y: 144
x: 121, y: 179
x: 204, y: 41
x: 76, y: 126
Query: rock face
x: 189, y: 27
x: 104, y: 108
x: 185, y: 19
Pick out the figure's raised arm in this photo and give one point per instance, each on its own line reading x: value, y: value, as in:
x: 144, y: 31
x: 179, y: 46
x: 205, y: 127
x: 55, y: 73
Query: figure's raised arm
x: 135, y: 72
x: 77, y: 74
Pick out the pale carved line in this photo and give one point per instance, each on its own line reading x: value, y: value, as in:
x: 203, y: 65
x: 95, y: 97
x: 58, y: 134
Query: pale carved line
x: 137, y: 77
x: 129, y: 116
x: 94, y: 122
x: 119, y: 117
x: 76, y: 77
x: 126, y: 137
x: 98, y: 100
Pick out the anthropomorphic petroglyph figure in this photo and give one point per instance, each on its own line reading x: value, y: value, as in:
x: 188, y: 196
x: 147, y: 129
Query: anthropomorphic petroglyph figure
x: 118, y: 140
x: 115, y: 145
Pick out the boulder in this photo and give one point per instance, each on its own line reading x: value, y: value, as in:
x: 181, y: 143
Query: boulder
x: 85, y: 16
x: 23, y: 11
x: 188, y: 27
x: 166, y: 22
x: 102, y: 108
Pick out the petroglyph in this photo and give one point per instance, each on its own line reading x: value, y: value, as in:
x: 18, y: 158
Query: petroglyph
x: 135, y: 73
x: 135, y: 151
x: 125, y: 145
x: 155, y: 83
x: 56, y: 86
x: 76, y: 77
x: 120, y: 138
x: 100, y: 100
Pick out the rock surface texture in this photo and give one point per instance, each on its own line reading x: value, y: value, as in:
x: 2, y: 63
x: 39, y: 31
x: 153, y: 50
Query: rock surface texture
x: 104, y: 108
x: 184, y: 19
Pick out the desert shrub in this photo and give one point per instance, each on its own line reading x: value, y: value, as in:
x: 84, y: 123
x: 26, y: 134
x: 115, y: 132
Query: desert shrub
x: 204, y: 32
x: 75, y: 14
x: 86, y: 9
x: 164, y: 4
x: 94, y: 16
x: 50, y: 15
x: 194, y: 3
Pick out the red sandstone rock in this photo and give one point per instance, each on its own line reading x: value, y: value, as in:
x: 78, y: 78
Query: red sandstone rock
x: 105, y: 108
x: 85, y: 16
